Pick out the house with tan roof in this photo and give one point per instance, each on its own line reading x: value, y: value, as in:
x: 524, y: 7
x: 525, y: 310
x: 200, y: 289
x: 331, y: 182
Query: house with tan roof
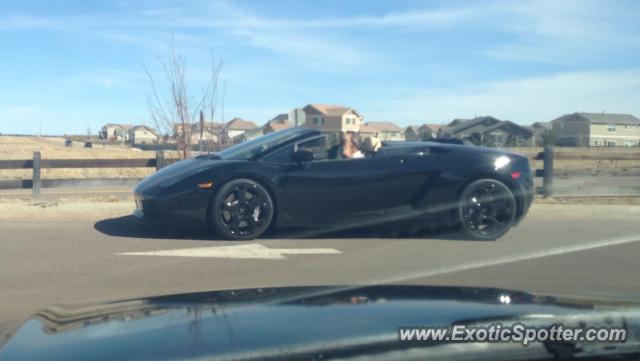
x: 332, y: 118
x: 382, y: 130
x: 276, y: 124
x: 237, y: 126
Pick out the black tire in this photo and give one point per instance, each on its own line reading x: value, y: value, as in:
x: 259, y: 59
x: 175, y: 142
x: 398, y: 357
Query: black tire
x: 486, y: 210
x: 241, y: 210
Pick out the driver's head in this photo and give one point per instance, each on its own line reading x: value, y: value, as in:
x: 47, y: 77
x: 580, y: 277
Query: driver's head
x: 353, y: 138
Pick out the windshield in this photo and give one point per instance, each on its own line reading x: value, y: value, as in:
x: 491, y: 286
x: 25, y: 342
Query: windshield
x: 249, y: 149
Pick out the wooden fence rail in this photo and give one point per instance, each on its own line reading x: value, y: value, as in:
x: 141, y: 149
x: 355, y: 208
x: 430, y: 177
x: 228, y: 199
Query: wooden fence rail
x: 37, y: 163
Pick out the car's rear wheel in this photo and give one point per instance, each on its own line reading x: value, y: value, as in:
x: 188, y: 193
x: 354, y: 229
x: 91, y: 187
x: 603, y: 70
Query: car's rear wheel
x: 242, y: 210
x: 487, y: 209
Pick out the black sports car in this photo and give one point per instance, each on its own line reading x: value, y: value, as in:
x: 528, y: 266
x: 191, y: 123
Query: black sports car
x: 326, y: 323
x: 291, y: 179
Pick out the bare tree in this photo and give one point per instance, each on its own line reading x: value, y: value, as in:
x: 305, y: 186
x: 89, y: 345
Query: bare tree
x: 174, y: 110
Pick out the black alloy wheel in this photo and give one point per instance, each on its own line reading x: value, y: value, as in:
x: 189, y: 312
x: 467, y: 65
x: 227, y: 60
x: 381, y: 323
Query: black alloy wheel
x: 242, y: 210
x: 487, y: 209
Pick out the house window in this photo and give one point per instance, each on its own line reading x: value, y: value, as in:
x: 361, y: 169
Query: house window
x: 611, y: 128
x: 597, y: 143
x: 496, y: 138
x: 318, y: 120
x: 611, y: 143
x: 629, y: 143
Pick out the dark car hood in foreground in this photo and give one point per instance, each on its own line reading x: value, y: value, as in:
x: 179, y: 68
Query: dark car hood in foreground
x: 268, y: 322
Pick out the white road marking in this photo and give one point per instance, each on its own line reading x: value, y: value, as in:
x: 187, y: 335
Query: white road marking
x: 244, y: 251
x: 511, y: 259
x: 477, y: 265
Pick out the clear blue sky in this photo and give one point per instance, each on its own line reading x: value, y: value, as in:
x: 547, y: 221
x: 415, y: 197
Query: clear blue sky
x: 73, y: 64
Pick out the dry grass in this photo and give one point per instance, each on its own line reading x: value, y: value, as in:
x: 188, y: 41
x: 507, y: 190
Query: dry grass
x: 12, y: 147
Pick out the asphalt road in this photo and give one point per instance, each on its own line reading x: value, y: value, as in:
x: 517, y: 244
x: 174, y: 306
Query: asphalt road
x: 52, y: 261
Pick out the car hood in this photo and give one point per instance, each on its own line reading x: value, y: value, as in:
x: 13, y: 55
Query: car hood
x: 256, y: 323
x: 171, y: 174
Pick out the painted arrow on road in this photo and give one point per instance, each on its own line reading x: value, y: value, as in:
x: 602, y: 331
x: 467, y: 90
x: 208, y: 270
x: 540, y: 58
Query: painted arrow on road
x: 245, y: 251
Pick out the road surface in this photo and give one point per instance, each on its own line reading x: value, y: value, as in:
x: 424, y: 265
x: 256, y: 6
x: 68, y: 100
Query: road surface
x: 558, y: 249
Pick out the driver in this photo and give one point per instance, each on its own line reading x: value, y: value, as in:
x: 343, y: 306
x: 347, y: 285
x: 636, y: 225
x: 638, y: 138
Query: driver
x: 351, y: 146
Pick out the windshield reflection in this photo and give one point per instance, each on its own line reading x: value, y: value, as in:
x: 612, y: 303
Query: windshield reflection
x: 249, y: 149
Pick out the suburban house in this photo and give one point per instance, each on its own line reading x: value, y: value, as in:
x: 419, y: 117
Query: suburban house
x: 142, y: 134
x: 382, y: 130
x: 457, y: 121
x: 539, y: 129
x: 280, y: 117
x: 210, y: 133
x: 115, y: 132
x: 506, y: 133
x: 280, y: 122
x: 248, y: 135
x: 422, y: 132
x: 332, y: 118
x: 597, y: 130
x: 436, y: 129
x: 238, y: 126
x: 297, y: 117
x: 488, y: 130
x: 411, y: 133
x: 464, y: 128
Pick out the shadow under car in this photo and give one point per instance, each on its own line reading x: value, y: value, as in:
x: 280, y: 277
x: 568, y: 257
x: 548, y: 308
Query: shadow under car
x: 131, y: 227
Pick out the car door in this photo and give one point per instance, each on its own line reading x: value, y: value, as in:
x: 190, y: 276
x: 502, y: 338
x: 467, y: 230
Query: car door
x: 331, y: 190
x: 416, y: 168
x: 335, y: 191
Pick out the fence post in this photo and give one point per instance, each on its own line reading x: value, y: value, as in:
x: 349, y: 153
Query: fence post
x: 547, y: 175
x: 159, y: 159
x: 35, y: 180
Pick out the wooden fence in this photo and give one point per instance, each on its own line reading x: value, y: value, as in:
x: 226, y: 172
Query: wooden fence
x: 582, y: 163
x: 37, y: 163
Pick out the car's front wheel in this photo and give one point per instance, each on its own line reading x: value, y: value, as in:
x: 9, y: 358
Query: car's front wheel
x: 242, y: 209
x: 486, y: 209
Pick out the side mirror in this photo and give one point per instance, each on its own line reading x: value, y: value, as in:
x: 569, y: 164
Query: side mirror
x: 303, y: 155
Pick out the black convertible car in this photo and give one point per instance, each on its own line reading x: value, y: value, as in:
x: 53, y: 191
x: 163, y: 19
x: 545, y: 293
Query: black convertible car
x: 290, y: 179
